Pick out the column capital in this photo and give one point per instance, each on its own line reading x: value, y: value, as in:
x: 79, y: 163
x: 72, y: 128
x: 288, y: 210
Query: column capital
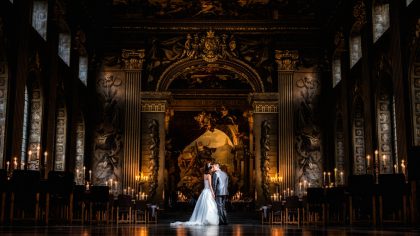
x: 133, y: 58
x: 155, y: 101
x: 286, y: 59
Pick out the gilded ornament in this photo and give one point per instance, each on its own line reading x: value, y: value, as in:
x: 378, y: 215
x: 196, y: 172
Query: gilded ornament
x: 286, y: 59
x: 359, y: 13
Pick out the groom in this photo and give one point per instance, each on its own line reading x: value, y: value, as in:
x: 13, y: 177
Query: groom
x: 220, y: 182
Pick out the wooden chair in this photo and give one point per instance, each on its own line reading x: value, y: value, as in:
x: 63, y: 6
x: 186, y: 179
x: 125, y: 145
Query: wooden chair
x: 59, y: 198
x: 140, y: 212
x: 362, y: 200
x: 24, y: 194
x: 336, y: 205
x: 293, y: 210
x: 315, y: 206
x: 392, y: 198
x: 4, y: 188
x: 152, y: 213
x: 277, y: 213
x: 99, y: 205
x: 124, y: 207
x: 265, y: 212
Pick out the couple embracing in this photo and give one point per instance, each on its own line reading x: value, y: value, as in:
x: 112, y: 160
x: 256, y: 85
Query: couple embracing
x: 210, y: 206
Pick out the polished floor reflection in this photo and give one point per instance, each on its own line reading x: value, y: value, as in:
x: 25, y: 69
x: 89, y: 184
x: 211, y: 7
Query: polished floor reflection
x: 233, y: 229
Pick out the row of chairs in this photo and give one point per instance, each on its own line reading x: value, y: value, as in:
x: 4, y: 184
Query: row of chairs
x: 26, y: 197
x: 362, y: 201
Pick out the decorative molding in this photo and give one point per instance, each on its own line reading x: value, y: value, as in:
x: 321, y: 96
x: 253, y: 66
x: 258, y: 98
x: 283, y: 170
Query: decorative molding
x: 286, y: 60
x: 265, y: 158
x: 210, y: 47
x: 359, y: 13
x: 358, y: 130
x: 80, y: 150
x: 153, y: 126
x: 339, y: 38
x: 265, y: 107
x: 35, y: 120
x: 153, y: 105
x: 133, y: 58
x: 60, y: 138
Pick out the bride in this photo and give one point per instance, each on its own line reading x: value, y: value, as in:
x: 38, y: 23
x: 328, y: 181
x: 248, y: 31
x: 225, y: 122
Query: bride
x: 205, y: 210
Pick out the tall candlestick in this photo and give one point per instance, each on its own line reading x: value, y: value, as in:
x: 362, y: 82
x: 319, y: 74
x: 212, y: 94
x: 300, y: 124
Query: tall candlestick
x: 45, y: 158
x: 342, y: 177
x: 83, y: 174
x: 335, y: 176
x: 324, y: 181
x: 38, y: 152
x: 15, y: 164
x: 368, y: 161
x: 329, y: 178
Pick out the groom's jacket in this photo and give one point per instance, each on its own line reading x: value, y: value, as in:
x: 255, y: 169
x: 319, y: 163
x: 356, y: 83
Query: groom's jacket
x: 220, y: 182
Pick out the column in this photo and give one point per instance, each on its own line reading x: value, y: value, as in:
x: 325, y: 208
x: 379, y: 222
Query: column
x: 133, y: 65
x: 265, y: 107
x: 286, y: 64
x: 153, y: 107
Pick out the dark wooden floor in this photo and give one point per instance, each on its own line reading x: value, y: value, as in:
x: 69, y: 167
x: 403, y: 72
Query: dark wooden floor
x: 232, y: 229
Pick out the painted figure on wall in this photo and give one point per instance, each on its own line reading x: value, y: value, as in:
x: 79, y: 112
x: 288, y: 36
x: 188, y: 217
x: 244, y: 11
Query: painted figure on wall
x: 218, y: 141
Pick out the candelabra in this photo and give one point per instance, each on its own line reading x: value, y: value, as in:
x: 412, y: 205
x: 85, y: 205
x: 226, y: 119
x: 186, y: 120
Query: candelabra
x: 141, y: 180
x: 277, y: 180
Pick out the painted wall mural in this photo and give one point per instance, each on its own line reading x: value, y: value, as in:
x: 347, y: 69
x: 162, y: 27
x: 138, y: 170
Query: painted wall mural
x: 219, y: 137
x: 107, y: 149
x: 307, y: 129
x: 228, y: 9
x: 210, y: 47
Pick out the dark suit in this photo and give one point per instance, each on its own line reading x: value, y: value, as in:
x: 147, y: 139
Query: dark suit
x: 220, y: 182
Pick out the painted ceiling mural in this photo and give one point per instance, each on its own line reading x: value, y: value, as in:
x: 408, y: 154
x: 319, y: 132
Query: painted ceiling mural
x: 210, y: 47
x: 243, y: 9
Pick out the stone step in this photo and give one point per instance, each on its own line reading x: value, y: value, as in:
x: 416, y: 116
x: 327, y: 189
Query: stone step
x: 233, y: 217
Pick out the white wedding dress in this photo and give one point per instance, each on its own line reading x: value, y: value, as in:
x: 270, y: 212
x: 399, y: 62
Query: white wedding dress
x: 205, y: 210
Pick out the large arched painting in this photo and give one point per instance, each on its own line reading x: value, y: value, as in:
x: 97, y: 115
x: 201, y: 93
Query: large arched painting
x: 219, y: 137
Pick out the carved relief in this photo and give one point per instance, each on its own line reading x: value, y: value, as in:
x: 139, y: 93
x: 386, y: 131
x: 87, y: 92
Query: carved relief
x: 80, y: 150
x: 153, y: 126
x: 4, y: 79
x: 339, y: 146
x: 359, y: 13
x: 358, y: 133
x: 415, y: 82
x: 35, y: 122
x: 133, y: 59
x: 286, y: 60
x: 60, y: 138
x: 208, y: 61
x: 308, y: 133
x: 265, y: 158
x: 108, y: 136
x: 265, y: 107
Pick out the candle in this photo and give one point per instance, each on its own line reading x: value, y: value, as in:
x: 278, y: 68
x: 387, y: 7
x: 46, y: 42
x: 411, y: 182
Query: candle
x: 403, y: 166
x: 395, y: 168
x: 368, y: 161
x: 38, y: 152
x: 15, y: 163
x: 324, y: 181
x: 8, y: 164
x: 300, y: 186
x: 341, y: 177
x: 329, y: 178
x: 22, y: 165
x: 125, y: 191
x: 29, y: 155
x: 90, y: 175
x: 45, y: 157
x: 335, y: 175
x: 384, y: 160
x: 83, y: 174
